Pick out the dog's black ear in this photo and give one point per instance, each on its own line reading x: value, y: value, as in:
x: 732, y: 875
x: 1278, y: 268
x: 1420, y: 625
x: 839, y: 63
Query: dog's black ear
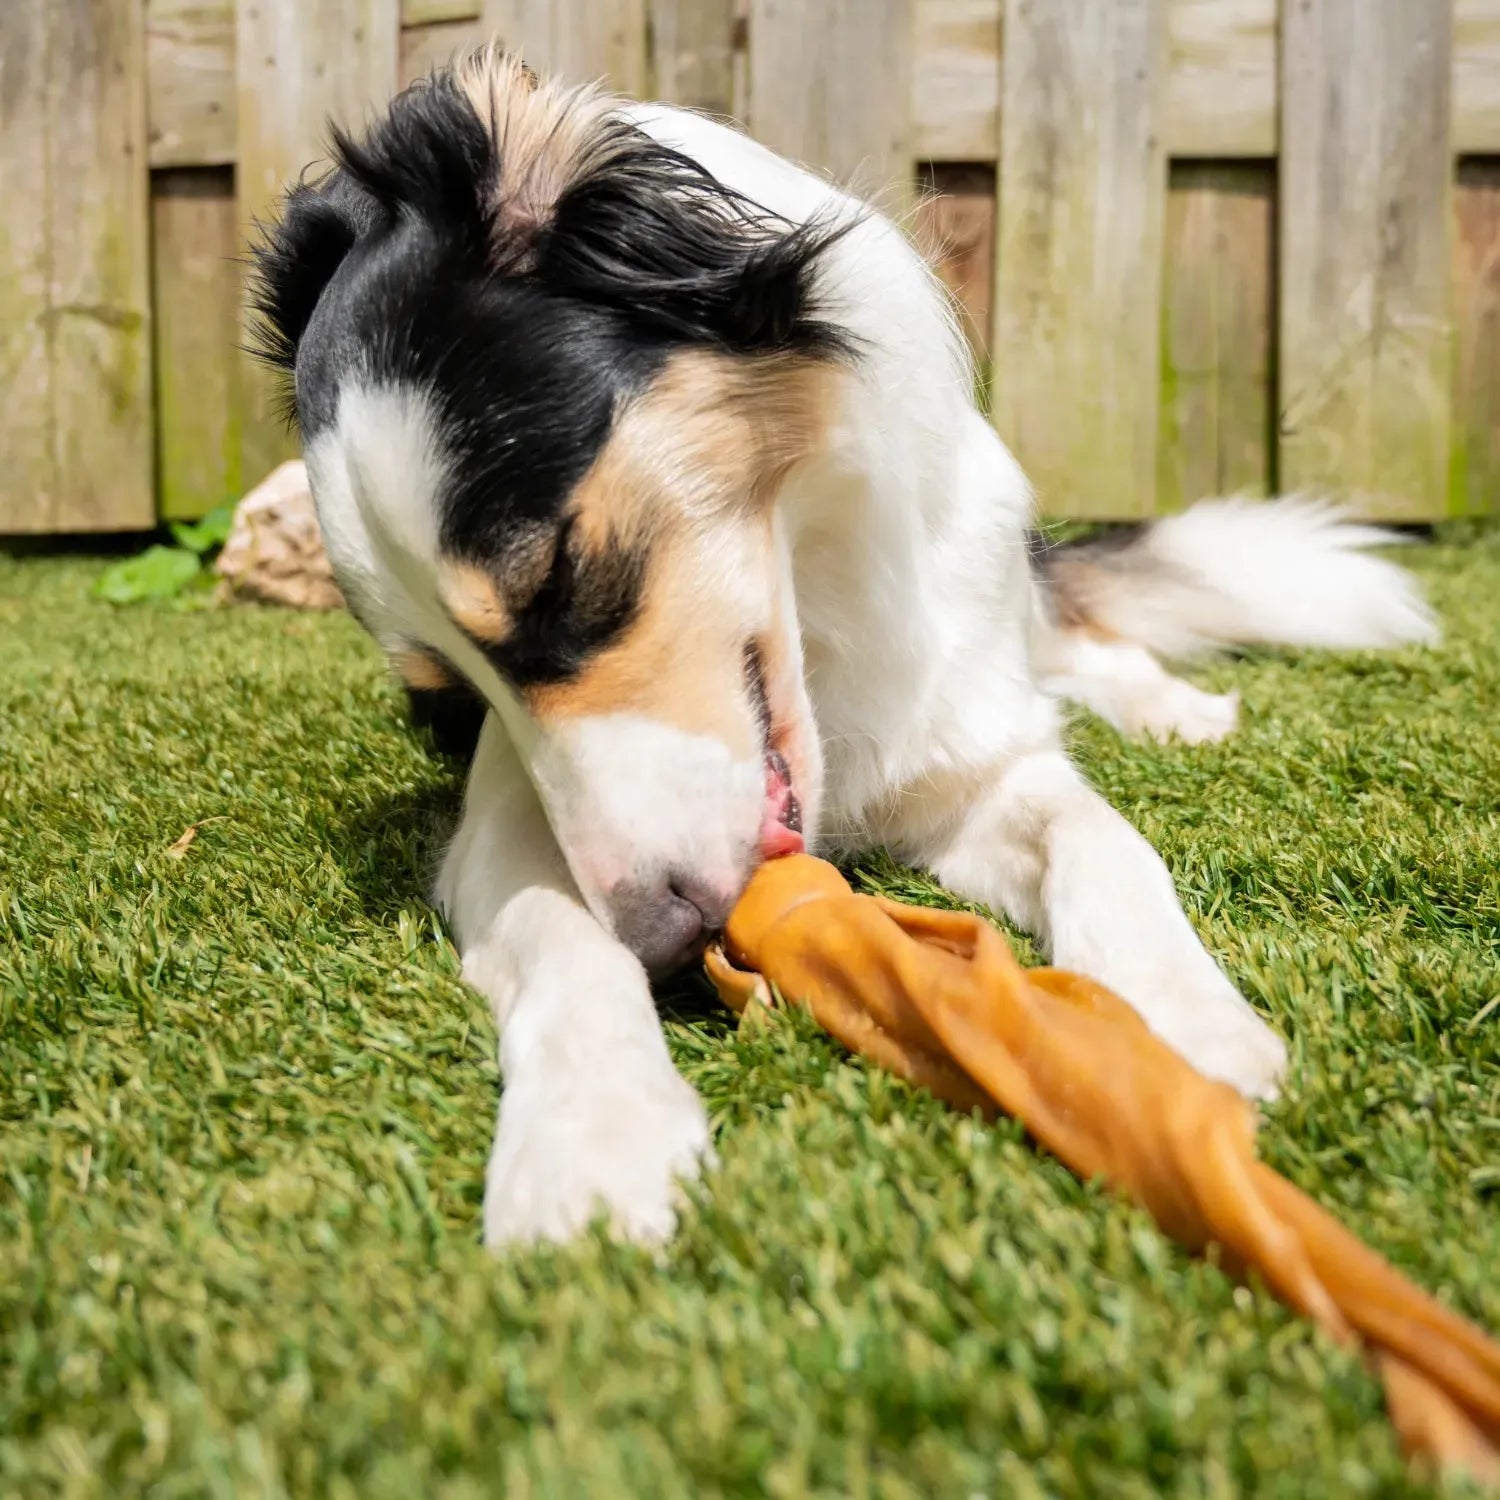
x: 649, y: 232
x: 428, y: 156
x: 295, y: 258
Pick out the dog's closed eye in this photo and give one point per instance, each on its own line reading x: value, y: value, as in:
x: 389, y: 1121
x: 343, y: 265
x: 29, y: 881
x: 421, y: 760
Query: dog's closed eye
x: 531, y: 560
x: 486, y: 598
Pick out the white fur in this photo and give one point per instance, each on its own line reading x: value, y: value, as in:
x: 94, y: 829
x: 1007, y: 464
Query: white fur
x: 1127, y: 687
x: 594, y: 1117
x: 1042, y: 845
x: 901, y: 549
x: 1238, y: 572
x: 627, y: 795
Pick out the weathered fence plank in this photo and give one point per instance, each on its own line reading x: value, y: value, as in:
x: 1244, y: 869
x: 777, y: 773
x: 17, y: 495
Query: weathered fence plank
x: 190, y: 74
x: 1217, y: 419
x: 1078, y: 284
x: 581, y: 39
x: 1218, y: 401
x: 1476, y: 304
x: 300, y: 63
x: 75, y: 334
x: 196, y: 283
x: 1221, y: 78
x: 1365, y: 346
x: 435, y: 45
x: 692, y: 53
x: 101, y: 251
x: 28, y: 478
x: 830, y: 85
x: 1476, y: 75
x: 956, y: 79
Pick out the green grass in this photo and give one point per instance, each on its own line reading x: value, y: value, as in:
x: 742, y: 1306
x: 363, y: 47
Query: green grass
x: 246, y: 1104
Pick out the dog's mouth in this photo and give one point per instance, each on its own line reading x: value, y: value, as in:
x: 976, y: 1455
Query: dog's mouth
x: 780, y: 811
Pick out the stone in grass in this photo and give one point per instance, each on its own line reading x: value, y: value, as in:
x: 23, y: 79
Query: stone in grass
x: 275, y: 551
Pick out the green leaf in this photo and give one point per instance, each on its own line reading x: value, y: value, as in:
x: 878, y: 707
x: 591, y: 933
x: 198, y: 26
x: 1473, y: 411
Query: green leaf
x: 203, y: 536
x: 157, y: 573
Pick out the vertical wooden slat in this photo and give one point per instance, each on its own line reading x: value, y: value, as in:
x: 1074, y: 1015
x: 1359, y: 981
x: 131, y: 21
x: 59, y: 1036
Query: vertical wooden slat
x: 74, y: 311
x: 582, y: 40
x: 28, y: 477
x: 196, y: 282
x: 75, y: 336
x: 830, y: 85
x: 101, y: 250
x: 692, y: 53
x: 1365, y: 348
x: 1476, y: 306
x: 298, y: 64
x: 1078, y: 286
x: 1217, y: 412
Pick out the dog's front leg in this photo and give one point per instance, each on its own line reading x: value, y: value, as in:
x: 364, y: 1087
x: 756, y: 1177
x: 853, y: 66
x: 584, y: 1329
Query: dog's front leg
x: 1045, y: 847
x: 593, y: 1116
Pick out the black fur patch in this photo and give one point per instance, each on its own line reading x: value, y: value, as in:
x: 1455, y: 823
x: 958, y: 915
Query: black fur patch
x: 386, y: 272
x: 657, y: 236
x: 586, y: 600
x: 453, y: 716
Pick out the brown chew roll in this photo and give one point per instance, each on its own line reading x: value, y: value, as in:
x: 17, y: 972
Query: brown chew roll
x: 938, y: 998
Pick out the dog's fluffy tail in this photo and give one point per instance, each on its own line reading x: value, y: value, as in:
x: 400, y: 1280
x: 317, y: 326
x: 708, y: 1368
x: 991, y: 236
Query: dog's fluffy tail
x: 1238, y: 572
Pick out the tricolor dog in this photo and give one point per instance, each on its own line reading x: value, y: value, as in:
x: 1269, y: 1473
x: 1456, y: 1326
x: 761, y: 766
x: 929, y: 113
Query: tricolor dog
x: 662, y: 453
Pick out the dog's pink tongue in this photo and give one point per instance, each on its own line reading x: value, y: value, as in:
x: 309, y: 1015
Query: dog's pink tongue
x: 780, y: 814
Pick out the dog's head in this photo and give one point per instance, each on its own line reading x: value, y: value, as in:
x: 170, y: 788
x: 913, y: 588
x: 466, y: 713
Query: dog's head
x: 549, y: 377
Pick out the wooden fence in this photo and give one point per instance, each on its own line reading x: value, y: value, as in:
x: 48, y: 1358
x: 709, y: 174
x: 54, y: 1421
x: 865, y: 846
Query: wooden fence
x: 1235, y: 243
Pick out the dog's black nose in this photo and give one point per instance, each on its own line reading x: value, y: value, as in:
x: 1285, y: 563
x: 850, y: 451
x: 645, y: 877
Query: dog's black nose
x: 665, y: 921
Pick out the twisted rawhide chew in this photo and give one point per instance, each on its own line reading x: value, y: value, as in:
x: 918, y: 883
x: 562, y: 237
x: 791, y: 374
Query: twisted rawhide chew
x: 938, y: 998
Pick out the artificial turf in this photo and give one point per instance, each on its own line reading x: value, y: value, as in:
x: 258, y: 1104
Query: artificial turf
x: 245, y: 1105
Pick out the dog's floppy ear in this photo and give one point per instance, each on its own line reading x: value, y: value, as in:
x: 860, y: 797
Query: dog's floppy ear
x: 293, y: 261
x: 428, y: 156
x: 654, y: 235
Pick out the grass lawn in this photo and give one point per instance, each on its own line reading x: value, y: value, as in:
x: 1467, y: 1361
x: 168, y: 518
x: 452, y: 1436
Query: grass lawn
x: 246, y: 1105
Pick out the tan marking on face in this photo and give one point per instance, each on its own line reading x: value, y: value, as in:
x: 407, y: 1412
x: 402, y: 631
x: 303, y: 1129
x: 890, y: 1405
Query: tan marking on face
x: 421, y: 671
x: 715, y: 433
x: 473, y: 602
x: 547, y: 135
x: 688, y: 476
x: 676, y: 664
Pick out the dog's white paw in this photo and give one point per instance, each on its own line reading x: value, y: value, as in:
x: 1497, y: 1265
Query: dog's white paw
x: 1235, y: 1046
x: 1181, y: 711
x: 1195, y: 1010
x: 615, y: 1146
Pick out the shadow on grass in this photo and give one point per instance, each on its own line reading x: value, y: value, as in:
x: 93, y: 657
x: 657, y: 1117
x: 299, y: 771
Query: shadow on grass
x: 688, y: 997
x: 389, y: 847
